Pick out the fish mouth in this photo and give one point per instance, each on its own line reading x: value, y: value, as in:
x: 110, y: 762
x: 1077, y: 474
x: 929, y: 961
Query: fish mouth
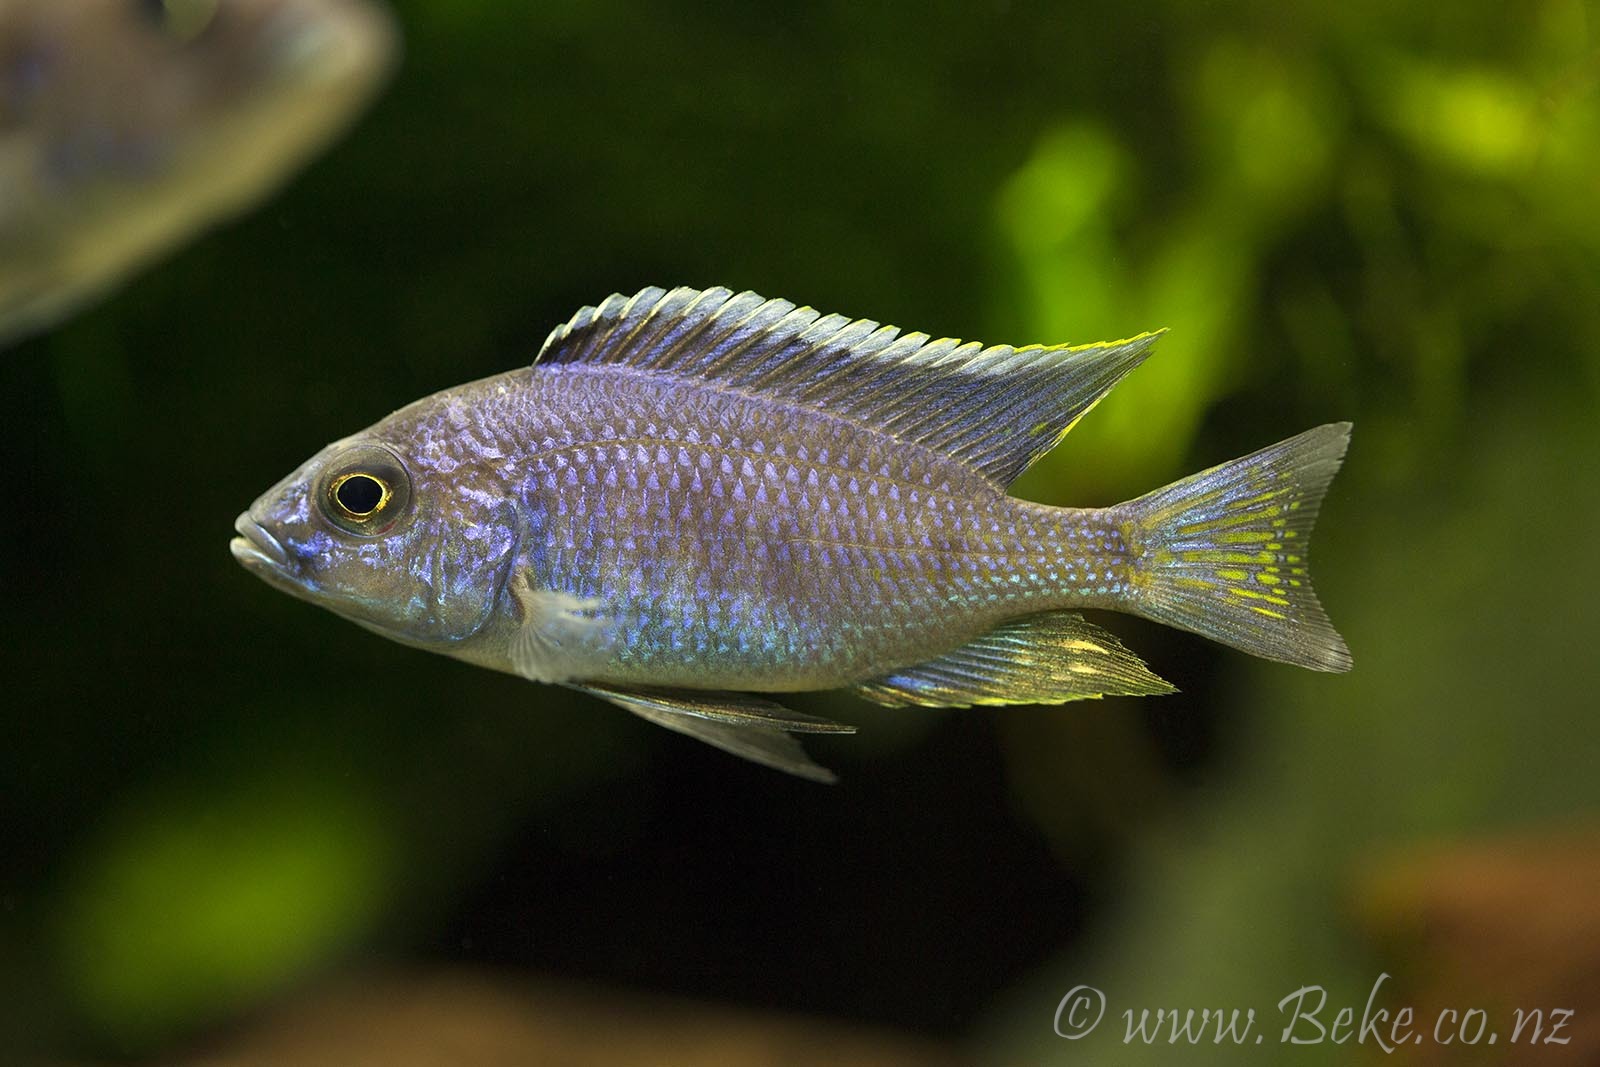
x: 331, y: 45
x: 256, y: 548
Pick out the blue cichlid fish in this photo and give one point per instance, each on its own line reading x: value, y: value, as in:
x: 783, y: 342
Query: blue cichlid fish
x: 695, y: 497
x: 126, y: 125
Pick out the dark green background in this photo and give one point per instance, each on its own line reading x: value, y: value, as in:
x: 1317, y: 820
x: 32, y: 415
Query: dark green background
x: 210, y: 793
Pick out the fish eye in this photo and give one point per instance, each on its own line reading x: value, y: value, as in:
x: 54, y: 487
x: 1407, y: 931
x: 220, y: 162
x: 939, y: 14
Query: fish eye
x: 359, y: 495
x: 365, y: 491
x: 181, y: 19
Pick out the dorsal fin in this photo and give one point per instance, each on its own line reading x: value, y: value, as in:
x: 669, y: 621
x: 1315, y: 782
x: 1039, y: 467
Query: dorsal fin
x: 997, y: 409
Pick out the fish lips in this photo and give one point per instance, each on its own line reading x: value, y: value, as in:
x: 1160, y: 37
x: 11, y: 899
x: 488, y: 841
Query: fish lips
x: 347, y: 45
x: 262, y: 553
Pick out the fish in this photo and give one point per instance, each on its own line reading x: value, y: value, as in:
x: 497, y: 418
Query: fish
x: 695, y: 500
x: 126, y: 126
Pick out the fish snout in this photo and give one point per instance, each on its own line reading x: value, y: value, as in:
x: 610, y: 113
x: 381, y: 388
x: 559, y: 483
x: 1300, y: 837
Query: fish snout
x: 256, y: 546
x: 329, y: 44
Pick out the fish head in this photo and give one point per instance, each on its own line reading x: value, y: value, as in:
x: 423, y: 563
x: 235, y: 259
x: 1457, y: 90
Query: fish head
x: 374, y: 529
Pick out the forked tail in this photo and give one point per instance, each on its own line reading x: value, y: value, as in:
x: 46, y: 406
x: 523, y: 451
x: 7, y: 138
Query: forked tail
x: 1223, y: 553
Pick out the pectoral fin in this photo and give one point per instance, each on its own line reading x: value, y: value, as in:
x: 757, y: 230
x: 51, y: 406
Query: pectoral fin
x: 555, y: 626
x: 747, y: 726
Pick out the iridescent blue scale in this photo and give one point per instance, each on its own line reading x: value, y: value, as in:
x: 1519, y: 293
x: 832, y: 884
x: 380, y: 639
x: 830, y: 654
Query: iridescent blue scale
x: 745, y: 544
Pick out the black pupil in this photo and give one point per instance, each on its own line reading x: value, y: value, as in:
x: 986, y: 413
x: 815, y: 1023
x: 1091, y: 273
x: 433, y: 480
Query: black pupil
x: 359, y: 495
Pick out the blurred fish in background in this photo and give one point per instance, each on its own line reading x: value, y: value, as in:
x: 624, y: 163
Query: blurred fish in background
x: 127, y: 125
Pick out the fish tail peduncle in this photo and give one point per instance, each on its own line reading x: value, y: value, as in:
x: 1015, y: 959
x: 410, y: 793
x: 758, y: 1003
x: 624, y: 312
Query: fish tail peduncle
x: 1223, y: 553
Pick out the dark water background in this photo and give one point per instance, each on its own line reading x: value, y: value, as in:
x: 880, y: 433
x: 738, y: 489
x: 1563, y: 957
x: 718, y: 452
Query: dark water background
x: 213, y: 798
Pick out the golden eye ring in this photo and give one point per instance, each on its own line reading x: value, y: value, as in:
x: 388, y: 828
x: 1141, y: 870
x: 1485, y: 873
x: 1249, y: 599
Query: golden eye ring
x: 364, y: 491
x: 359, y: 495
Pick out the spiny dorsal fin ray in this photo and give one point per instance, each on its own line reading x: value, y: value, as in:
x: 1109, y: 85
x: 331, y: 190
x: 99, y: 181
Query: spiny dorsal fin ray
x: 1041, y: 659
x: 998, y: 408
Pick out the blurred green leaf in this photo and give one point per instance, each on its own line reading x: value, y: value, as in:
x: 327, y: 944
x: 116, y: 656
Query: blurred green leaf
x: 193, y: 901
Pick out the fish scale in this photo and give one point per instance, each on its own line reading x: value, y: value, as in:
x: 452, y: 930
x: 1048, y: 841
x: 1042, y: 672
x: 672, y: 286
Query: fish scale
x: 696, y: 497
x: 713, y: 561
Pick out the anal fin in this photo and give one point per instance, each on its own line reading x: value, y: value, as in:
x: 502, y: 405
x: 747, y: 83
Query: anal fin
x: 1041, y: 659
x: 747, y: 726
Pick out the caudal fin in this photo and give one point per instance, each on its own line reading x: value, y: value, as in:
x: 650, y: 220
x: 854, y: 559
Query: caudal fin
x: 1223, y: 553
